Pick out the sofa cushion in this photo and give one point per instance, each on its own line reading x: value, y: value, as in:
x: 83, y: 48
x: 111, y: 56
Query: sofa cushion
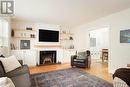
x: 10, y: 63
x: 2, y: 71
x: 20, y: 76
x: 18, y: 71
x: 79, y: 60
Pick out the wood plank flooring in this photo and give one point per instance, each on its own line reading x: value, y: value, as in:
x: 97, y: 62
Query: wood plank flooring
x: 98, y: 69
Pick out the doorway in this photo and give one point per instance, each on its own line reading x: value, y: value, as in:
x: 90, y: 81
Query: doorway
x: 99, y: 45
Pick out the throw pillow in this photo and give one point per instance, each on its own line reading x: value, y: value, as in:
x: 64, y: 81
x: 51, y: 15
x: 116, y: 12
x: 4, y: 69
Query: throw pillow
x: 81, y: 55
x: 6, y: 82
x: 10, y: 63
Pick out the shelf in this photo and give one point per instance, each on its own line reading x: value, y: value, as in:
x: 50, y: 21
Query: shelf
x: 24, y: 37
x: 65, y: 40
x: 22, y: 33
x: 23, y: 30
x: 48, y: 46
x: 66, y: 33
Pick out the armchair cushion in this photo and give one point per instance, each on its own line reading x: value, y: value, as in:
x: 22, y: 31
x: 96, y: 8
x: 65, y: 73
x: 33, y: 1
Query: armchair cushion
x: 79, y: 60
x: 18, y: 71
x: 81, y: 55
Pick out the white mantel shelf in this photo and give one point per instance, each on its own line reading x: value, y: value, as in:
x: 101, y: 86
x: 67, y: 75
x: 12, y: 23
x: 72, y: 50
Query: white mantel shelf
x: 48, y: 46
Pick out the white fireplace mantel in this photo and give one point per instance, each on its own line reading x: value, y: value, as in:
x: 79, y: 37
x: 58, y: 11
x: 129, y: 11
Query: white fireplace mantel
x: 59, y: 53
x: 31, y: 57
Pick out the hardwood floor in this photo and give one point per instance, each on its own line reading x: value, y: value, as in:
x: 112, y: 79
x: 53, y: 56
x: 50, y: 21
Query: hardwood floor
x: 97, y: 68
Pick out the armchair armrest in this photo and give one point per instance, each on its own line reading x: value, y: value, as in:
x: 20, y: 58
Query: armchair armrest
x: 73, y: 56
x: 88, y: 61
x: 72, y: 59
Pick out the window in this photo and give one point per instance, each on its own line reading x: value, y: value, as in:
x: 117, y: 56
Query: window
x: 4, y: 35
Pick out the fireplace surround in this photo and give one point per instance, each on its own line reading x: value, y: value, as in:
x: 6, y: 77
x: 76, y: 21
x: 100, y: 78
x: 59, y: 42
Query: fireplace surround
x: 47, y: 57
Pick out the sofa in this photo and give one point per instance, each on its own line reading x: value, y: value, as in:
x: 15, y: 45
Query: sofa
x: 121, y: 77
x: 20, y: 76
x: 82, y: 59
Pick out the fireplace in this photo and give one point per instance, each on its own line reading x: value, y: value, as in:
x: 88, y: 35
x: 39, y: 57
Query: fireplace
x: 47, y: 57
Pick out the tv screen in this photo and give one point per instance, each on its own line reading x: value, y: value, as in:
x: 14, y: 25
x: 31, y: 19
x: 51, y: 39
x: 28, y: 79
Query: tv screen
x: 48, y: 36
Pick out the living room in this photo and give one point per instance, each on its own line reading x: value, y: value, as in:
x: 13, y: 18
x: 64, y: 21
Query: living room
x: 47, y: 44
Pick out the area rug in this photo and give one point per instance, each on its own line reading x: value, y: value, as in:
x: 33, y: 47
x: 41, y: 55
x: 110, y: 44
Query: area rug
x: 72, y: 77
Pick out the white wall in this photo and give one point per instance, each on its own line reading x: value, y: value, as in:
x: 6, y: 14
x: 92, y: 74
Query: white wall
x: 119, y: 55
x: 101, y: 35
x: 81, y: 40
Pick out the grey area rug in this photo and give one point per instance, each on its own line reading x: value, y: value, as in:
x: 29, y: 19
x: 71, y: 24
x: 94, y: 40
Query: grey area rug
x: 72, y: 77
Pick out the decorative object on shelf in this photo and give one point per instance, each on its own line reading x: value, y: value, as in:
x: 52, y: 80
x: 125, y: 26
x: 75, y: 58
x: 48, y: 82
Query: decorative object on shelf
x: 24, y: 44
x: 66, y: 38
x: 32, y: 35
x: 28, y: 28
x: 125, y: 36
x: 12, y: 46
x: 70, y: 38
x: 76, y: 53
x: 64, y: 32
x: 12, y: 33
x: 2, y: 51
x: 71, y: 47
x: 2, y: 56
x: 22, y: 33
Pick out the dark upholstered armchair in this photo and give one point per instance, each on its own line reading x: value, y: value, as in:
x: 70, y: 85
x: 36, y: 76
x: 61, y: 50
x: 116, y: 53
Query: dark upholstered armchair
x: 82, y: 59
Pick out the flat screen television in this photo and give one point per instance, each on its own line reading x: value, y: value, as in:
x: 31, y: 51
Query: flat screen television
x: 48, y: 36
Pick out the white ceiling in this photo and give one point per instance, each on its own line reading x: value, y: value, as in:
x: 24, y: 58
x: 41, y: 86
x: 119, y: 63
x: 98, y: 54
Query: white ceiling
x: 66, y: 12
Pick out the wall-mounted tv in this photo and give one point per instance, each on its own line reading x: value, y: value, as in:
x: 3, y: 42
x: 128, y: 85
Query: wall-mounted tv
x: 125, y: 36
x: 48, y: 35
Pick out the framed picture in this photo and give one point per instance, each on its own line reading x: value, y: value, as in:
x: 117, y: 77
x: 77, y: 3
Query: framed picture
x: 24, y: 44
x: 125, y: 36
